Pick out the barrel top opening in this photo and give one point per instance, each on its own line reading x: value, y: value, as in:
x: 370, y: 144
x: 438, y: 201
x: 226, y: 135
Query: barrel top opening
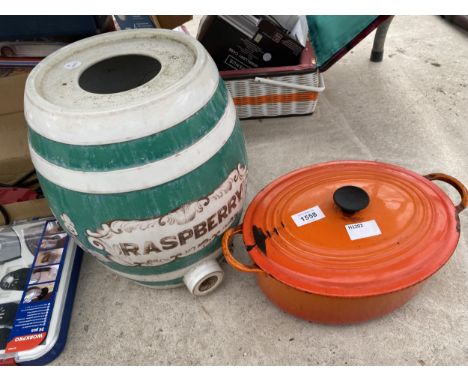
x: 119, y: 79
x: 119, y: 73
x: 113, y: 70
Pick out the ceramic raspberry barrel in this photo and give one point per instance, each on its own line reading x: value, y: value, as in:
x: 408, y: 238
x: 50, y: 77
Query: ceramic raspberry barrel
x: 139, y: 152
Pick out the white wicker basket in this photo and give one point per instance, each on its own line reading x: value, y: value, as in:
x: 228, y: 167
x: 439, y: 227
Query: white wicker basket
x: 274, y: 92
x: 255, y: 98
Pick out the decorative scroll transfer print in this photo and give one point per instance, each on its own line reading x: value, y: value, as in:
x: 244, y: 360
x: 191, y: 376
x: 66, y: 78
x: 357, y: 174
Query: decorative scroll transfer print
x: 180, y: 233
x: 69, y: 226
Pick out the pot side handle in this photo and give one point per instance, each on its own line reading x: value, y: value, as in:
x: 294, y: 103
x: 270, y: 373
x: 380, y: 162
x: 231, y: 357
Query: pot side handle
x: 454, y: 183
x: 226, y: 241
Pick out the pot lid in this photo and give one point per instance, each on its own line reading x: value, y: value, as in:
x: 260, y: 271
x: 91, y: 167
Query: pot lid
x: 352, y: 228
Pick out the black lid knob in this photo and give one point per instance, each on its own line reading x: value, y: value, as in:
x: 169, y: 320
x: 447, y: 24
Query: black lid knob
x: 351, y: 199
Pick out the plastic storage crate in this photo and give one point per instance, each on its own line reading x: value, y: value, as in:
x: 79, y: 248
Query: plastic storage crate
x: 278, y: 91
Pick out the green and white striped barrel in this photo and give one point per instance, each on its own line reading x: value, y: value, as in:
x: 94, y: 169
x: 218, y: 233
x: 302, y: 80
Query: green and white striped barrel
x: 139, y: 152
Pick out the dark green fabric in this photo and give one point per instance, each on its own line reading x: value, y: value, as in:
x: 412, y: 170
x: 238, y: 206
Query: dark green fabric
x: 330, y: 34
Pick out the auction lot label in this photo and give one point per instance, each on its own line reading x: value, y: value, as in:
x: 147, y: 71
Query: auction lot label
x: 362, y: 230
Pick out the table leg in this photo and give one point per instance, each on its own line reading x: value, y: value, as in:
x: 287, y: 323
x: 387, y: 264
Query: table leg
x: 379, y: 40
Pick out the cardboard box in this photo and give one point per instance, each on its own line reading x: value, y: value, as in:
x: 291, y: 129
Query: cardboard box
x: 14, y: 154
x: 15, y: 160
x: 170, y: 21
x: 38, y: 208
x: 247, y: 43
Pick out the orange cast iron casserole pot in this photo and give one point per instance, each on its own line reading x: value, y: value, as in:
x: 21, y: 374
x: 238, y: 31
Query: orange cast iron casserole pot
x: 348, y: 241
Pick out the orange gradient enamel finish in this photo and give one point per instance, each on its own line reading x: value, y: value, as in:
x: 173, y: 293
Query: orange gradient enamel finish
x: 416, y: 218
x: 317, y: 269
x: 332, y: 310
